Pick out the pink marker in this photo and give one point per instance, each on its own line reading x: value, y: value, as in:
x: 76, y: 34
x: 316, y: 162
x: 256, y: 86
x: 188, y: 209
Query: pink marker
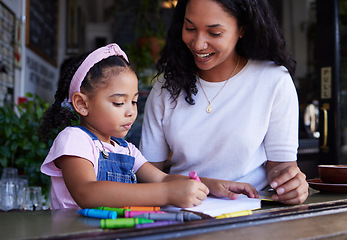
x: 131, y: 214
x: 194, y: 175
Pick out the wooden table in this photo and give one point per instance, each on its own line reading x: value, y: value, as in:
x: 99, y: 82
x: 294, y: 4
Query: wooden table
x: 321, y: 216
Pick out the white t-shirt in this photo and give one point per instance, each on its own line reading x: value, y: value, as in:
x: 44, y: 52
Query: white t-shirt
x: 73, y: 141
x: 254, y: 119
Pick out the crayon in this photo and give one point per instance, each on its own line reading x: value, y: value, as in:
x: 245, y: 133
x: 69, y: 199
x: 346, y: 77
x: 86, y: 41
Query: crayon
x: 131, y: 214
x: 235, y: 214
x: 194, y: 175
x: 94, y: 222
x: 97, y: 213
x: 120, y: 211
x: 181, y: 217
x: 187, y: 214
x: 142, y: 208
x: 156, y: 224
x: 123, y: 222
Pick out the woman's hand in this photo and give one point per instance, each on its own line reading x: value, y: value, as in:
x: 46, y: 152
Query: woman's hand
x: 288, y: 182
x: 186, y: 193
x: 229, y: 189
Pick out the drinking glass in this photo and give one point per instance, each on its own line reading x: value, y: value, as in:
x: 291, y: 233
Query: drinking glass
x: 9, y: 195
x: 32, y: 199
x: 10, y: 174
x: 40, y: 197
x: 21, y: 185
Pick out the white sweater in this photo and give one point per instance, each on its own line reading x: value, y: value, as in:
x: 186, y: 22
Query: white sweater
x: 254, y: 119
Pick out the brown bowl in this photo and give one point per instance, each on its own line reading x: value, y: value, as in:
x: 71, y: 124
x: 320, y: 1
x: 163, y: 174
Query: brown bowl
x: 333, y: 173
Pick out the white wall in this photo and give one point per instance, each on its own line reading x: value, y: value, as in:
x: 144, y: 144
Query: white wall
x: 37, y: 75
x: 18, y: 8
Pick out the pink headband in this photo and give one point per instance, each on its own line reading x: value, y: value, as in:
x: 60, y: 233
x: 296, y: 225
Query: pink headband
x: 93, y: 58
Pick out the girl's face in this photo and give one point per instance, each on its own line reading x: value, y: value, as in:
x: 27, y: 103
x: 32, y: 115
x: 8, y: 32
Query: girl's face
x: 207, y: 23
x: 113, y: 109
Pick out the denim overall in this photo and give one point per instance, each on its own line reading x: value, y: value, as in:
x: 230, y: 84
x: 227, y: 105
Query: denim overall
x: 115, y: 167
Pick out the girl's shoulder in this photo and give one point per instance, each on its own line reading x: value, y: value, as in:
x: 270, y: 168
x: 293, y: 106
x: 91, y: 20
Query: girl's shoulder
x: 72, y: 131
x: 71, y: 135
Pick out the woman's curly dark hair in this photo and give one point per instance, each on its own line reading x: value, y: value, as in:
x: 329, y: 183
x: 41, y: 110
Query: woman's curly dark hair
x: 58, y: 116
x: 262, y: 40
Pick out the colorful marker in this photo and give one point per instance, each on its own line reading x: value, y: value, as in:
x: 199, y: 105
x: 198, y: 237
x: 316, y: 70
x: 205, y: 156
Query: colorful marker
x: 97, y: 213
x: 181, y: 217
x: 235, y: 214
x: 123, y: 222
x: 187, y: 214
x: 131, y: 214
x: 194, y: 175
x: 156, y: 224
x: 120, y: 211
x: 141, y: 208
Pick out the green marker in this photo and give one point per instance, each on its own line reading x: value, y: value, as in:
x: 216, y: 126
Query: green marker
x: 120, y: 211
x: 123, y: 222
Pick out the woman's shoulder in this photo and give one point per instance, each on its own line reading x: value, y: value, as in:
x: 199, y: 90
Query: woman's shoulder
x: 159, y: 83
x: 266, y: 65
x: 267, y: 73
x: 266, y: 70
x: 159, y: 91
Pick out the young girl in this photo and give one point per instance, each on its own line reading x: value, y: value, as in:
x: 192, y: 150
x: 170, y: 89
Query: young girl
x: 91, y: 165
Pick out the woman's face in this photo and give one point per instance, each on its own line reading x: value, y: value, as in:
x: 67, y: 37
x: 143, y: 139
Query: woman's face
x: 208, y: 25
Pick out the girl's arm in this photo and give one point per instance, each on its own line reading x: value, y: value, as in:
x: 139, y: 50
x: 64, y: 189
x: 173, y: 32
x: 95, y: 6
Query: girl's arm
x: 80, y: 179
x: 288, y: 181
x: 159, y: 165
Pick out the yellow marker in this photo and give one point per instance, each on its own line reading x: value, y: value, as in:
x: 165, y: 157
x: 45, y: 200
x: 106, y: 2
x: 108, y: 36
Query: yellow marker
x: 235, y: 214
x: 265, y: 198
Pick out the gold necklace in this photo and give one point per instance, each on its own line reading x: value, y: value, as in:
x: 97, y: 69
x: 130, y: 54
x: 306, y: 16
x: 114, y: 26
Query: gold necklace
x: 209, y: 107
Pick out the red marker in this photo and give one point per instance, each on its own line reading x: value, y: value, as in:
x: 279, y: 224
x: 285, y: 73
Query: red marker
x: 194, y: 175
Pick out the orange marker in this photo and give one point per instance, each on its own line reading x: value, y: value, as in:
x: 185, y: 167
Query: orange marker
x: 142, y: 208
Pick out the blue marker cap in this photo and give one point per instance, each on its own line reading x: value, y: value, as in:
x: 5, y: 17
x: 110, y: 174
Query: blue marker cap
x: 97, y: 213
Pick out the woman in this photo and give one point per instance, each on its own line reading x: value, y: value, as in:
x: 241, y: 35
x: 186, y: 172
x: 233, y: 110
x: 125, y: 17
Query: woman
x: 226, y: 106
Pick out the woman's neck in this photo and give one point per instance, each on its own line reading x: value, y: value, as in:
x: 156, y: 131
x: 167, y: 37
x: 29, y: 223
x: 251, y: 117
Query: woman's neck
x: 222, y: 72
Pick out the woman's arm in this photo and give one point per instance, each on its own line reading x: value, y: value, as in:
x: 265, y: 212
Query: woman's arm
x: 80, y: 179
x: 217, y: 187
x: 229, y: 189
x: 288, y: 181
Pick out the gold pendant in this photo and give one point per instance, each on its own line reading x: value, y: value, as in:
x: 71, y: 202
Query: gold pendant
x: 209, y: 108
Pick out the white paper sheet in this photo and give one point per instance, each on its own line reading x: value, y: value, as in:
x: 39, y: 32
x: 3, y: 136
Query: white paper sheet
x: 217, y: 206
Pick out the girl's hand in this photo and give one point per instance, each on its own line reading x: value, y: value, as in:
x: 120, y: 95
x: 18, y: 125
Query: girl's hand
x: 288, y: 181
x: 186, y: 193
x: 229, y: 189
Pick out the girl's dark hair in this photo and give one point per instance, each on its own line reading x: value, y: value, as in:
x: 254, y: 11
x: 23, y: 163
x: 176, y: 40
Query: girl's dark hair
x: 262, y: 40
x: 58, y: 116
